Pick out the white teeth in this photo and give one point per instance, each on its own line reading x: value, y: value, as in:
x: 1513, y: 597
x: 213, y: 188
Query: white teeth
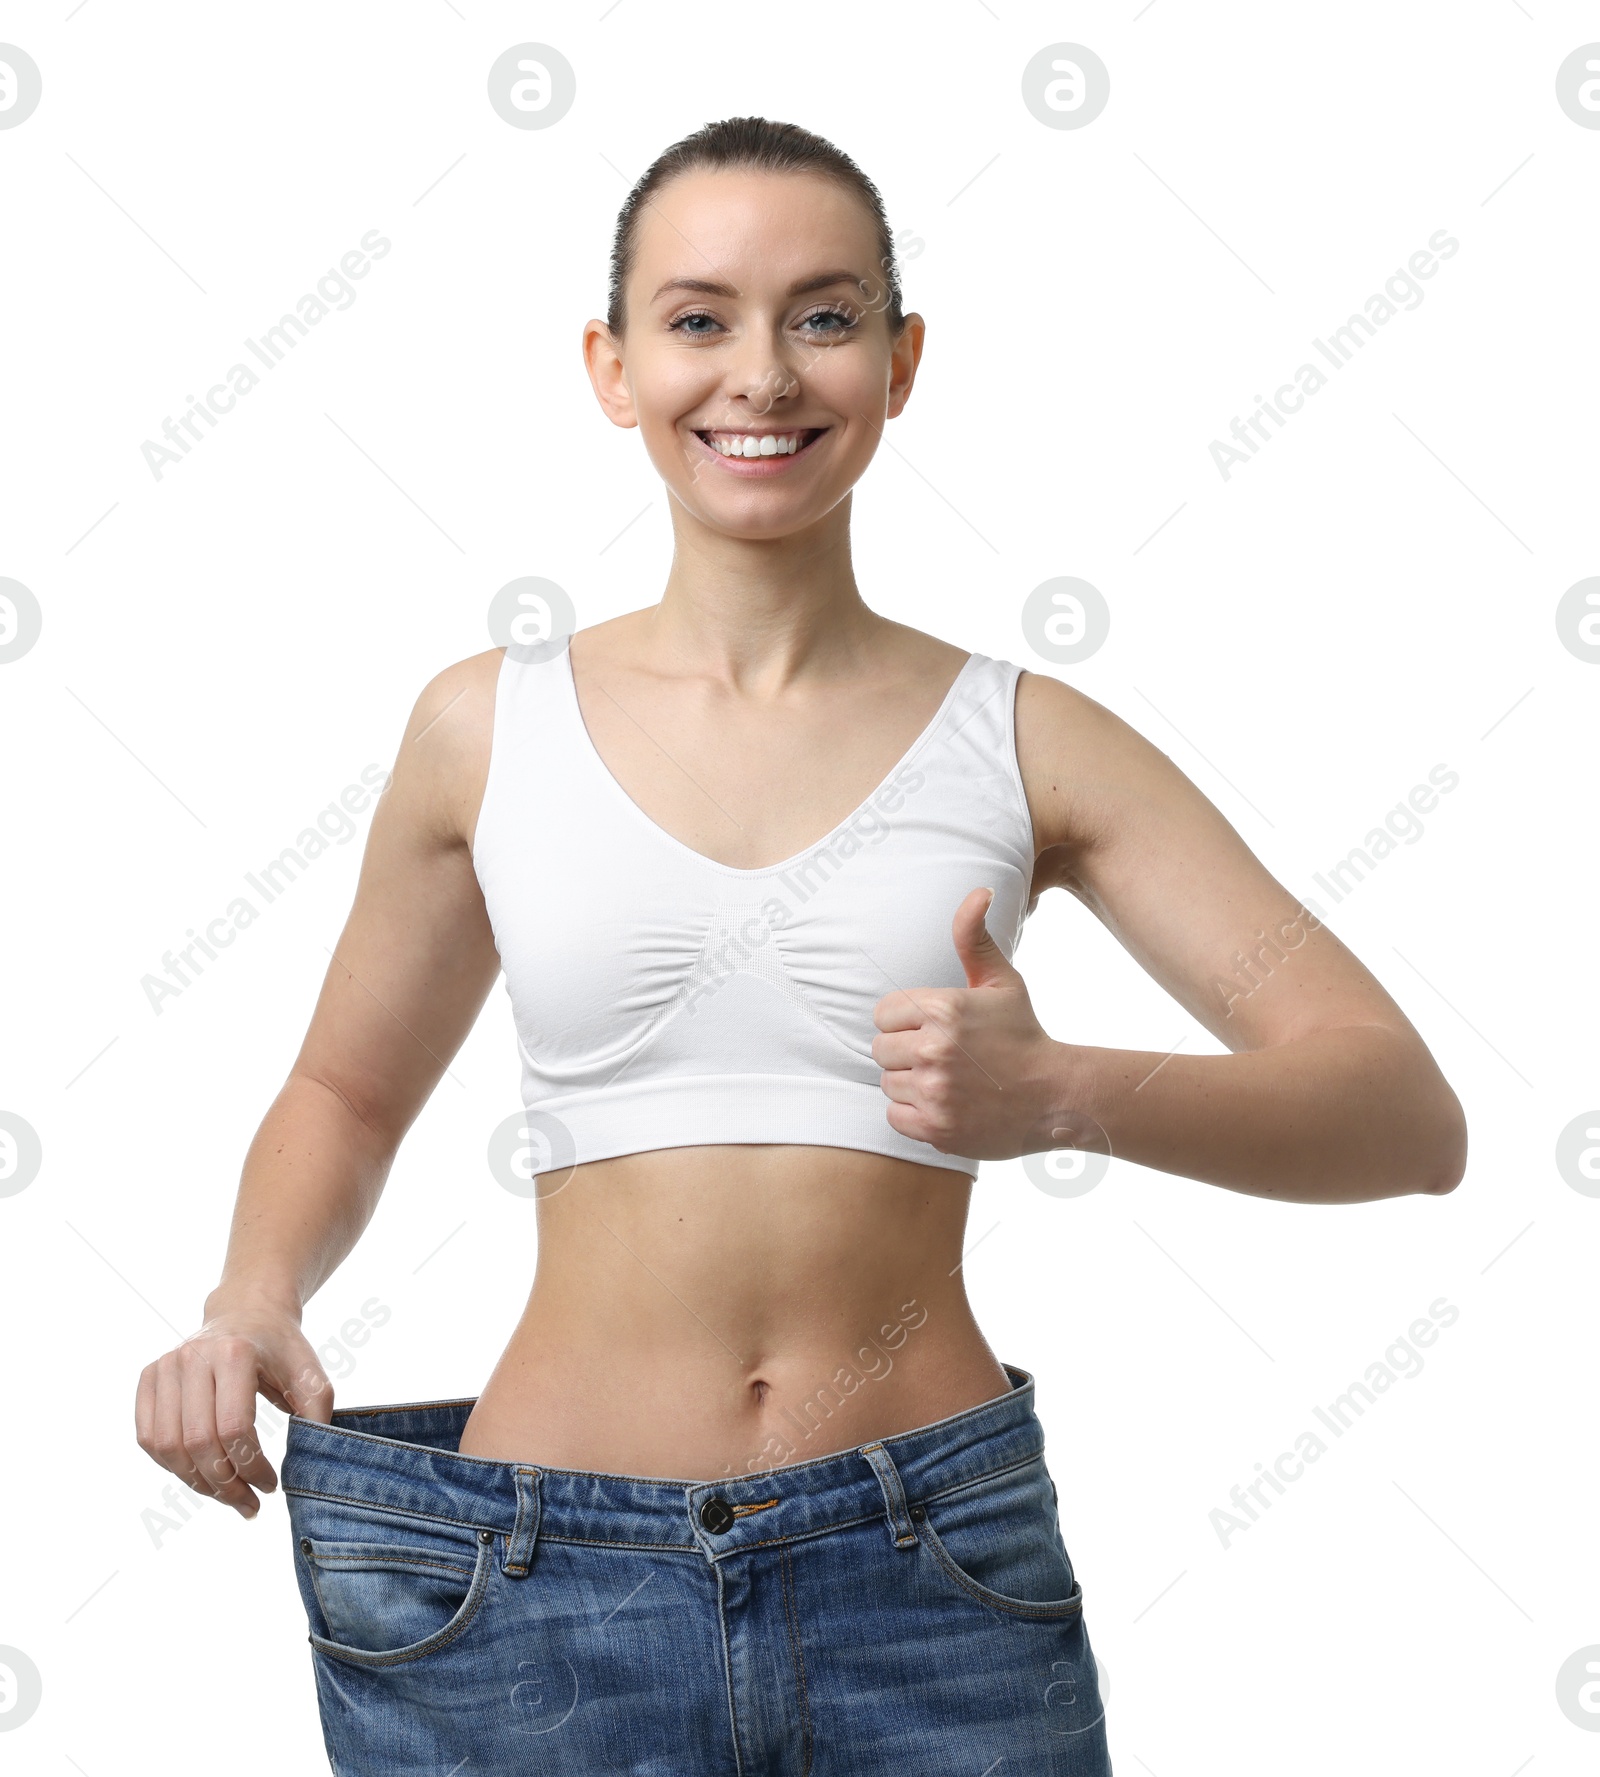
x: 748, y: 444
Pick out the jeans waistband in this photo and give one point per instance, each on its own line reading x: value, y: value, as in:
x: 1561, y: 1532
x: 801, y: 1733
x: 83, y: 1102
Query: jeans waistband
x: 404, y: 1458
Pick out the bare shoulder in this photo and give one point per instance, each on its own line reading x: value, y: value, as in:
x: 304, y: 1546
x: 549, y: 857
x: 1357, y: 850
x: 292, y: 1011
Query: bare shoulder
x: 1125, y: 831
x: 620, y: 641
x: 1085, y: 770
x: 921, y: 657
x: 442, y: 764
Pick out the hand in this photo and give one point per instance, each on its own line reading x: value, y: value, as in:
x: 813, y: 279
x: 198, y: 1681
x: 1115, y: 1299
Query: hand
x: 970, y: 1070
x: 196, y: 1406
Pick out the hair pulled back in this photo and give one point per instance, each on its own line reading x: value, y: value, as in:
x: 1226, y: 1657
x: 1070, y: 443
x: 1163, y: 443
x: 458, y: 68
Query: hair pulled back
x: 760, y: 144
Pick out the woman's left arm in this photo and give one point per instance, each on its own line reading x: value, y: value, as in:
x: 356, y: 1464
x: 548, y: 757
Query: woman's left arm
x: 1329, y: 1095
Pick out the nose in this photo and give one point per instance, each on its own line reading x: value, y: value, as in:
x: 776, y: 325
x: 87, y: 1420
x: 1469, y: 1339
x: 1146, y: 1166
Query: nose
x: 761, y: 372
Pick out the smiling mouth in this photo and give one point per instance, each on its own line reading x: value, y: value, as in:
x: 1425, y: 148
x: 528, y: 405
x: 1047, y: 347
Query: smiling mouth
x: 748, y: 446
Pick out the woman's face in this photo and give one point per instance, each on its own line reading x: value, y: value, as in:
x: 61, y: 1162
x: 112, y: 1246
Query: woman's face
x: 725, y: 345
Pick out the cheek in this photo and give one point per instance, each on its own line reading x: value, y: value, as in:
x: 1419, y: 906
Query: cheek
x: 862, y: 411
x: 673, y: 452
x: 668, y: 386
x: 858, y: 393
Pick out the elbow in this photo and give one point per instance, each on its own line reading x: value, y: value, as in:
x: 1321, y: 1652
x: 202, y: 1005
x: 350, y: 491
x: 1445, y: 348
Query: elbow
x: 1425, y: 1149
x: 1448, y: 1151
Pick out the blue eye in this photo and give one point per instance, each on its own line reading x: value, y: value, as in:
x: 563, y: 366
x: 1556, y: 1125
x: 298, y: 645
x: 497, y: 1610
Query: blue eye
x: 841, y: 315
x: 847, y: 323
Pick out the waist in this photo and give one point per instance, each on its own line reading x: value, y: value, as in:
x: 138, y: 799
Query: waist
x: 744, y: 1226
x: 723, y: 1310
x: 405, y: 1458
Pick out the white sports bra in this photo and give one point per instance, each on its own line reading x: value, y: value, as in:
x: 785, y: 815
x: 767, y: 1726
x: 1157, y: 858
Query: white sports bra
x: 663, y: 1000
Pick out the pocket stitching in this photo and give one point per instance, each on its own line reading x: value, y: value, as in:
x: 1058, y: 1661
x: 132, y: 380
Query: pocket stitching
x: 399, y: 1514
x: 400, y: 1556
x: 989, y: 1474
x: 1050, y: 1610
x: 417, y: 1650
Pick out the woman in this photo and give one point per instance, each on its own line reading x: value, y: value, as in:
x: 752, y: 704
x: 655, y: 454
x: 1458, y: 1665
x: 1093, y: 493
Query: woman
x: 748, y: 1489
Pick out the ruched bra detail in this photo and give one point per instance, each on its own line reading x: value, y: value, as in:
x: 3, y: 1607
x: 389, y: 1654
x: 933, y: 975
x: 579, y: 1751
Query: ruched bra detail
x: 662, y: 999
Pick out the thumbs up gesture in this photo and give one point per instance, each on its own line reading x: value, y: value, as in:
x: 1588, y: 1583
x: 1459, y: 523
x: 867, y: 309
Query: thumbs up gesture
x: 970, y: 1070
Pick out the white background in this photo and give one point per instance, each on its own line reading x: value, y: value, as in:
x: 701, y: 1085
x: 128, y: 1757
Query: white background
x: 226, y: 648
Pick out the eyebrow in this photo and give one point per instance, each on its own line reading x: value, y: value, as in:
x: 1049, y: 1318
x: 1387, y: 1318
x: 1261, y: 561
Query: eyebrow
x: 708, y: 287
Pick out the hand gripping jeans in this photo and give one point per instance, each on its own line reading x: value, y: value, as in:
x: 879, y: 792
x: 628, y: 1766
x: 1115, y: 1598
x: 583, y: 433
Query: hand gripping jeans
x: 906, y: 1606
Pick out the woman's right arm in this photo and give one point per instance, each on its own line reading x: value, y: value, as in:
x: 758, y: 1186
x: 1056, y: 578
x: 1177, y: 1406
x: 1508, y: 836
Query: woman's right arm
x: 410, y: 973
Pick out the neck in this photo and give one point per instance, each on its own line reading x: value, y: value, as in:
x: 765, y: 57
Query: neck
x: 762, y: 613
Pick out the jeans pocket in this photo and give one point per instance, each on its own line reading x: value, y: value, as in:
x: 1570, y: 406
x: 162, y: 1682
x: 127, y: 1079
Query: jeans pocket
x: 385, y: 1588
x: 999, y: 1541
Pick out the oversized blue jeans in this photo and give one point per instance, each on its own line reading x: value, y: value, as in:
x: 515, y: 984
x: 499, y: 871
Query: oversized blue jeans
x: 905, y: 1606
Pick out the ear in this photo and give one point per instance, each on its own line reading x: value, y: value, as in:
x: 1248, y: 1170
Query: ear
x: 603, y: 362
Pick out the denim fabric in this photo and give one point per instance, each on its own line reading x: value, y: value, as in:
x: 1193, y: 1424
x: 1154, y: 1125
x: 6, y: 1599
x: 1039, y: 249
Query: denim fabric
x: 906, y: 1606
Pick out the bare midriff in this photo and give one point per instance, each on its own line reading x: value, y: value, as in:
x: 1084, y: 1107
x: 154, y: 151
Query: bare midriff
x: 704, y: 1313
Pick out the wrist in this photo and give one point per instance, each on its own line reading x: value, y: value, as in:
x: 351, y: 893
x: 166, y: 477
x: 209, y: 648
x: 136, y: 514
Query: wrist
x: 254, y: 1296
x: 1067, y: 1114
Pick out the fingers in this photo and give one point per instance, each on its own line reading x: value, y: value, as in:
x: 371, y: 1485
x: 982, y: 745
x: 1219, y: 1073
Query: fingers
x: 918, y: 1079
x: 195, y: 1409
x: 910, y: 1008
x: 904, y: 1120
x: 165, y: 1441
x: 144, y: 1409
x: 236, y: 1414
x: 158, y: 1422
x: 919, y: 1105
x: 900, y: 1048
x: 900, y: 1086
x: 309, y: 1392
x: 915, y: 1121
x: 916, y: 1076
x: 199, y: 1418
x: 202, y: 1426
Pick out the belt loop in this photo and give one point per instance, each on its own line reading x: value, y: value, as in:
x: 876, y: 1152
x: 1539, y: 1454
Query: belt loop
x: 894, y: 1495
x: 525, y: 1532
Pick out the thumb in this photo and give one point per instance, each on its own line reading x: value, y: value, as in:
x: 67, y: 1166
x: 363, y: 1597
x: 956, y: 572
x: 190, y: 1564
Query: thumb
x: 307, y: 1389
x: 983, y: 959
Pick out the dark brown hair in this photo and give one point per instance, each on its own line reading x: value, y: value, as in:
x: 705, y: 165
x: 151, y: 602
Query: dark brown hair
x: 765, y: 146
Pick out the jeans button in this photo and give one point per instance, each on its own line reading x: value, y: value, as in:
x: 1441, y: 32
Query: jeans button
x: 716, y: 1514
